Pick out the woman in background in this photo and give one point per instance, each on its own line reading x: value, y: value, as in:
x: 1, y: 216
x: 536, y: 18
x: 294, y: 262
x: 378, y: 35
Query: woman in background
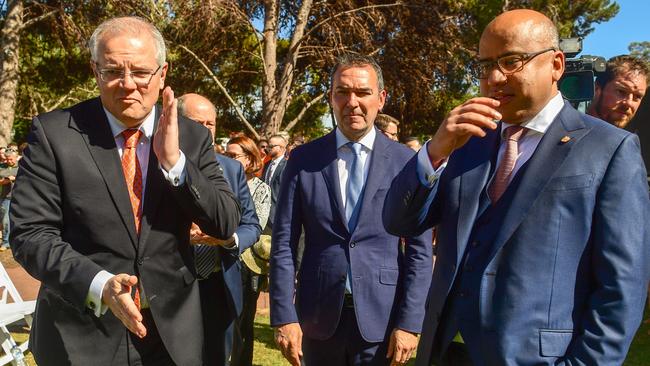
x: 244, y: 150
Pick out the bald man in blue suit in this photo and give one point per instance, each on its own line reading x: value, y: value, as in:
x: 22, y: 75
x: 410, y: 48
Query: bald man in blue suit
x: 553, y: 269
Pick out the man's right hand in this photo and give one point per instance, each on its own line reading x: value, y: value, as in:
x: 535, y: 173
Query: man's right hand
x: 466, y: 120
x: 289, y: 338
x: 117, y: 296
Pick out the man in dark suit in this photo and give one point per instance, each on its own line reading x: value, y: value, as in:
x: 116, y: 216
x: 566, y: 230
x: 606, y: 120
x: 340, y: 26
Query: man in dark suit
x: 217, y: 261
x: 360, y: 294
x: 105, y: 196
x: 541, y: 214
x: 272, y: 173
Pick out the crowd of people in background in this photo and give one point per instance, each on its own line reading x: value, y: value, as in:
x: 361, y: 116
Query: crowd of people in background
x: 173, y: 277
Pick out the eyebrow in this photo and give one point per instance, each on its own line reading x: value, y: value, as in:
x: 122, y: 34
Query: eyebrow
x: 341, y: 87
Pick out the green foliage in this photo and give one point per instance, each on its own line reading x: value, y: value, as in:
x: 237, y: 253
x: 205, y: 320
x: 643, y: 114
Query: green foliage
x: 641, y: 50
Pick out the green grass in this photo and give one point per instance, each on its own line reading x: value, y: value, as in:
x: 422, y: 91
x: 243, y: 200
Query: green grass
x: 266, y: 354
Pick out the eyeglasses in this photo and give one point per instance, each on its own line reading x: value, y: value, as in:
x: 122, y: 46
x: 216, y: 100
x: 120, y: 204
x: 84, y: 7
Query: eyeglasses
x: 10, y: 150
x: 141, y: 78
x: 235, y: 156
x: 270, y: 147
x: 508, y: 65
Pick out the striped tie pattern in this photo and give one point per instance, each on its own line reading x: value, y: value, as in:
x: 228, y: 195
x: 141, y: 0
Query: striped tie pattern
x: 205, y: 260
x: 133, y: 177
x: 507, y: 165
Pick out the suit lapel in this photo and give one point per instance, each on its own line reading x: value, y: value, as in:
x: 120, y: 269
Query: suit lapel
x: 153, y: 190
x: 97, y: 134
x: 477, y: 163
x: 331, y: 175
x: 547, y: 158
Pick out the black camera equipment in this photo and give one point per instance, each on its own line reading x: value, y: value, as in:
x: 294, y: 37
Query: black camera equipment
x: 577, y: 83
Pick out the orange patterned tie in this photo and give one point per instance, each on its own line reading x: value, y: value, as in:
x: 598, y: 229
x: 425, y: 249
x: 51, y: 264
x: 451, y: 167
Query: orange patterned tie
x: 508, y: 161
x: 133, y: 177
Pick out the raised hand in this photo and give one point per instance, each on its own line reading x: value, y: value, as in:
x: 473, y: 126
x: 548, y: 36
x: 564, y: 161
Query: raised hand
x: 466, y: 120
x: 117, y: 296
x: 165, y: 142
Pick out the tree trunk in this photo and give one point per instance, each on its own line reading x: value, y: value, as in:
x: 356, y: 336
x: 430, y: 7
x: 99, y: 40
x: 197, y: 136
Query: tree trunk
x: 9, y: 62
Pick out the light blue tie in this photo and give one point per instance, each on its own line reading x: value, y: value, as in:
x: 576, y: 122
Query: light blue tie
x: 353, y: 193
x: 355, y: 186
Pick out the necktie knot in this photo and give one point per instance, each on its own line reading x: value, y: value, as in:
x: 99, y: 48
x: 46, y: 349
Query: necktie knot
x: 514, y: 133
x: 131, y: 138
x: 355, y: 147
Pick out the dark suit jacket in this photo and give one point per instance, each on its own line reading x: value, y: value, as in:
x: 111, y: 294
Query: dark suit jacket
x: 389, y: 285
x: 71, y: 218
x: 275, y: 182
x: 248, y: 231
x: 566, y: 277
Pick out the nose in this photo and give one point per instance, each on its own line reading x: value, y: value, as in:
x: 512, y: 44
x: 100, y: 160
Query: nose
x: 353, y: 100
x: 496, y: 77
x: 127, y: 82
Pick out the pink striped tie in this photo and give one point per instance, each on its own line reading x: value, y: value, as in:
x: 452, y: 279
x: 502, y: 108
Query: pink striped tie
x: 507, y: 165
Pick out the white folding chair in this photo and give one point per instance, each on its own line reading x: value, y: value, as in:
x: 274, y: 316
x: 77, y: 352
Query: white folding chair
x: 12, y: 312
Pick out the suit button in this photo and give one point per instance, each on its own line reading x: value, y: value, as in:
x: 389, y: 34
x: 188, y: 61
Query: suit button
x: 353, y: 244
x: 462, y: 294
x: 474, y: 243
x: 140, y: 261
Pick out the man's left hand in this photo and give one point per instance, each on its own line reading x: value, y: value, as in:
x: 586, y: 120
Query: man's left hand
x: 198, y: 237
x: 165, y: 142
x: 401, y: 346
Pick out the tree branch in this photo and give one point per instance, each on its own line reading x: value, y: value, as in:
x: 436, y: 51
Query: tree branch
x: 240, y: 114
x: 38, y: 18
x: 304, y: 109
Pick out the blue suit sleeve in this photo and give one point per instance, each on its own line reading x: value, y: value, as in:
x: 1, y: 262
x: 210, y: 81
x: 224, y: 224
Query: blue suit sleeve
x: 286, y: 233
x: 249, y: 229
x: 619, y: 262
x: 410, y: 207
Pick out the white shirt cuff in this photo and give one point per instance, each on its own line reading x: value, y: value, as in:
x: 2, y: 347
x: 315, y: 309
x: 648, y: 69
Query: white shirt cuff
x: 426, y: 173
x: 94, y: 298
x: 234, y: 244
x: 176, y: 175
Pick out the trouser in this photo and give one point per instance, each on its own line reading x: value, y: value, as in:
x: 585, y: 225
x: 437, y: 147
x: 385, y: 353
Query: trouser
x: 150, y: 350
x: 242, y: 354
x: 345, y: 347
x: 218, y: 320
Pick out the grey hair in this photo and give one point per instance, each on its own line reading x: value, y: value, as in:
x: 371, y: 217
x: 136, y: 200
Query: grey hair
x: 353, y: 59
x: 130, y: 26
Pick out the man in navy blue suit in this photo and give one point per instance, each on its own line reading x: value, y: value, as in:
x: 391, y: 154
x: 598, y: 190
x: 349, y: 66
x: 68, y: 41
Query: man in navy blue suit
x: 359, y: 295
x: 217, y: 264
x: 541, y: 216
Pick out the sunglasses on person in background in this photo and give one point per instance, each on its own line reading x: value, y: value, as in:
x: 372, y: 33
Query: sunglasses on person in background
x: 10, y: 150
x: 508, y: 65
x: 234, y: 156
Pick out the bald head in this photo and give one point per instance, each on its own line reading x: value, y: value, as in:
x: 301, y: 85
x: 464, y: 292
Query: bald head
x: 529, y: 26
x: 199, y: 109
x: 522, y: 63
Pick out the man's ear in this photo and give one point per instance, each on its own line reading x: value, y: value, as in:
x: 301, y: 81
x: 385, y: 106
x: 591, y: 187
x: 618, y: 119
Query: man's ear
x: 163, y: 74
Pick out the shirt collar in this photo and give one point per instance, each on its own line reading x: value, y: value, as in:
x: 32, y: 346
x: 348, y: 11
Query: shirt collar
x: 277, y: 160
x: 117, y: 127
x: 368, y: 141
x: 541, y: 122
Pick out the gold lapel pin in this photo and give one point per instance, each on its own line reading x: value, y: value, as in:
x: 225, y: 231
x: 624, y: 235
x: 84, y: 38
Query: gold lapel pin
x: 565, y: 139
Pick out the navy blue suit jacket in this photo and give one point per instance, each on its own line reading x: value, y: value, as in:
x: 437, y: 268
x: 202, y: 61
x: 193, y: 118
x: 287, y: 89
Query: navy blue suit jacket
x: 566, y: 277
x: 248, y: 231
x: 389, y: 285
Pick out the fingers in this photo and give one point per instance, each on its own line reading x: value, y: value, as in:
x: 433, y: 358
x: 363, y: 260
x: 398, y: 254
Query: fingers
x: 401, y: 346
x: 289, y: 339
x: 117, y: 296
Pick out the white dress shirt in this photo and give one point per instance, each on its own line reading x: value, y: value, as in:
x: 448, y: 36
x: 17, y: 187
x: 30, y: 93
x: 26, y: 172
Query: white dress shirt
x: 175, y: 176
x: 536, y: 126
x: 273, y: 165
x: 345, y: 155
